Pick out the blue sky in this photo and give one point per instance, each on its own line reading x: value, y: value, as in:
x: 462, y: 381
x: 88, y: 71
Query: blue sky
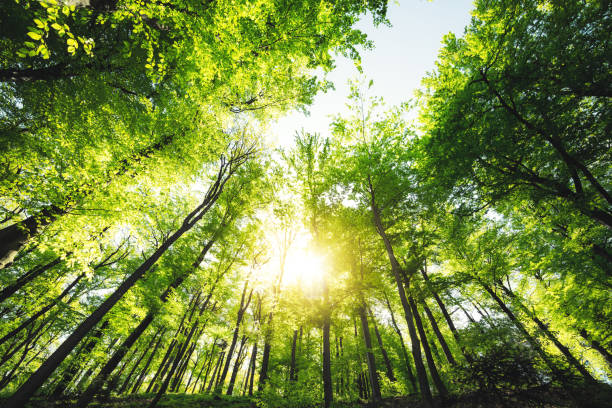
x: 402, y: 55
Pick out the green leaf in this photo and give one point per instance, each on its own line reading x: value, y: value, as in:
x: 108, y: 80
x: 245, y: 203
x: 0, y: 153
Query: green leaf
x: 35, y: 36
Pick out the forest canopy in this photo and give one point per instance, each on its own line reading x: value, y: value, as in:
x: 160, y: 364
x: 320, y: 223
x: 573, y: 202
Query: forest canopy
x: 157, y: 249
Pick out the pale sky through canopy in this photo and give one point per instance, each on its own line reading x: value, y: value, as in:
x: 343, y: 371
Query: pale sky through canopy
x: 402, y: 55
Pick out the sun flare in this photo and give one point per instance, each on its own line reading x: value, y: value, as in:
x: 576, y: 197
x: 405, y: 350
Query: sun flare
x: 304, y: 267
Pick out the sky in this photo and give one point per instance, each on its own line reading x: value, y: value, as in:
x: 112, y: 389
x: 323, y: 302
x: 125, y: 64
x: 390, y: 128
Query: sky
x: 402, y: 55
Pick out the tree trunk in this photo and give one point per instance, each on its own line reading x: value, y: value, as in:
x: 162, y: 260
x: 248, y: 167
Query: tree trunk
x: 328, y: 391
x: 253, y: 364
x: 14, y: 237
x: 73, y: 368
x: 207, y: 359
x: 265, y: 358
x: 365, y: 329
x: 292, y: 376
x: 144, y: 371
x: 597, y: 346
x: 411, y: 377
x: 439, y: 336
x: 383, y: 351
x: 433, y: 370
x: 395, y: 269
x: 42, y: 311
x: 244, y: 304
x: 133, y: 370
x: 210, y: 361
x: 175, y: 363
x: 573, y: 361
x: 161, y: 369
x: 27, y: 278
x: 447, y: 317
x: 112, y: 363
x: 237, y: 363
x: 216, y: 370
x: 530, y: 339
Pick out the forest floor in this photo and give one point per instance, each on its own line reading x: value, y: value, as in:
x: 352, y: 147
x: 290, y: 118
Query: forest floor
x: 540, y: 397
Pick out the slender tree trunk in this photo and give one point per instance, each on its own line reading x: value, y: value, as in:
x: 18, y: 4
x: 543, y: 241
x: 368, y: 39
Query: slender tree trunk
x: 208, y: 367
x: 175, y: 363
x: 42, y: 311
x: 328, y: 391
x: 32, y: 333
x: 27, y: 278
x: 135, y: 366
x: 36, y: 380
x: 467, y: 315
x: 447, y: 317
x: 375, y: 386
x: 145, y: 370
x: 206, y: 363
x: 112, y: 363
x: 70, y: 373
x: 433, y: 370
x: 263, y: 371
x: 194, y: 368
x: 597, y: 346
x: 216, y: 370
x: 564, y: 350
x: 161, y: 369
x: 366, y: 385
x: 6, y: 379
x: 530, y: 339
x: 244, y: 304
x: 396, y: 270
x: 411, y: 377
x: 199, y: 375
x: 292, y: 376
x: 237, y: 363
x: 253, y: 364
x: 573, y: 361
x: 178, y: 380
x: 383, y: 351
x: 439, y: 336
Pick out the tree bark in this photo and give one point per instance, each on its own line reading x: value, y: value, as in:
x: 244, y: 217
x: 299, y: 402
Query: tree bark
x: 137, y: 363
x: 216, y: 370
x: 14, y: 237
x: 373, y: 374
x: 530, y: 339
x: 439, y: 336
x: 144, y: 371
x: 253, y: 364
x: 447, y: 317
x: 383, y: 351
x: 112, y: 363
x: 292, y: 376
x: 42, y: 311
x: 411, y: 377
x: 328, y: 391
x: 396, y: 270
x: 237, y: 363
x: 433, y: 370
x: 597, y: 346
x: 573, y: 361
x: 244, y: 304
x: 27, y: 278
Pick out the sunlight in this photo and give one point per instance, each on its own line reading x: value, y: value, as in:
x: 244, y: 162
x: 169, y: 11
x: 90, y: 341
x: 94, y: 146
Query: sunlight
x: 304, y: 267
